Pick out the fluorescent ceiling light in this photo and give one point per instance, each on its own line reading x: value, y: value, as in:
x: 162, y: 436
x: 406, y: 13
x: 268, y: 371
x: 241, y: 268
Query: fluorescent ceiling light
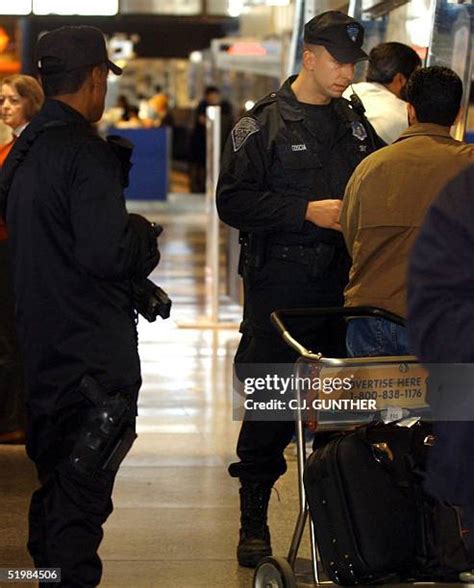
x: 15, y: 7
x: 86, y: 7
x: 195, y: 57
x: 235, y: 7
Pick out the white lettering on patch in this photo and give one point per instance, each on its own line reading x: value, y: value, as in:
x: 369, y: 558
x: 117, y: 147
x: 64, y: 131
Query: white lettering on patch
x: 298, y: 147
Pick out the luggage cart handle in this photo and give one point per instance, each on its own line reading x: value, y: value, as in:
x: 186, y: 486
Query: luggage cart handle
x: 278, y: 317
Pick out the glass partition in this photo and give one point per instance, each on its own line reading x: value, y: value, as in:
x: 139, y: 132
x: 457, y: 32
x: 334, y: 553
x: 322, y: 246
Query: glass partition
x: 451, y: 45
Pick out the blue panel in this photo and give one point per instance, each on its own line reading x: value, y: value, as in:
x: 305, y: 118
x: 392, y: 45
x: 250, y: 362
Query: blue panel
x: 469, y: 137
x: 149, y: 177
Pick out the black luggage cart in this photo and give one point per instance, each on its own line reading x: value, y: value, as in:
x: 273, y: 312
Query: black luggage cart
x: 279, y: 572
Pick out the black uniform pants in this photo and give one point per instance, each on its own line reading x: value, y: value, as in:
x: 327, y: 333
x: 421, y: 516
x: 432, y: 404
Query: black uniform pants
x: 281, y: 285
x: 68, y: 510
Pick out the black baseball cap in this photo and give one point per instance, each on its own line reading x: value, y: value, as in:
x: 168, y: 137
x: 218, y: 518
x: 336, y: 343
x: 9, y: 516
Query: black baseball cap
x: 340, y: 34
x: 70, y: 48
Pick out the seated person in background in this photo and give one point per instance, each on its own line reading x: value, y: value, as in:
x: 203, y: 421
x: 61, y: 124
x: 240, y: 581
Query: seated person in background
x: 158, y: 104
x: 133, y: 121
x: 385, y: 203
x: 124, y: 107
x: 383, y: 94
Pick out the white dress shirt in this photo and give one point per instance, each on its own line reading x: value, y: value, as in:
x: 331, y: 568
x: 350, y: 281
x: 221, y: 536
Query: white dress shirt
x: 18, y: 130
x: 387, y: 113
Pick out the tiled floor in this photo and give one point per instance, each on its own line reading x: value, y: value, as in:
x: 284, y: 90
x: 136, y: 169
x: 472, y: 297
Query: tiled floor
x: 175, y: 522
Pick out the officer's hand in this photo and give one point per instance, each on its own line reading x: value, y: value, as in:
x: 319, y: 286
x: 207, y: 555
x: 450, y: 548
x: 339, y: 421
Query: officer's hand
x: 150, y: 255
x: 325, y: 213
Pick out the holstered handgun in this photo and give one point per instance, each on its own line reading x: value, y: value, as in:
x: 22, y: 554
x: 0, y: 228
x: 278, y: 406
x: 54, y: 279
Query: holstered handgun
x: 107, y: 433
x: 253, y: 250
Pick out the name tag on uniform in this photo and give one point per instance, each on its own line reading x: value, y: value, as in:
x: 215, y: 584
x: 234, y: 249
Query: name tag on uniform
x: 298, y: 147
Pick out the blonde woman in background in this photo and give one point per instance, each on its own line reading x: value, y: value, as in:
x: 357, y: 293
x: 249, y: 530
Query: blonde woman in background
x: 21, y: 97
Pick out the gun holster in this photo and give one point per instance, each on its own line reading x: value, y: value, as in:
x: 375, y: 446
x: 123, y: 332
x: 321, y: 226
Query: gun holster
x: 108, y: 432
x: 253, y: 251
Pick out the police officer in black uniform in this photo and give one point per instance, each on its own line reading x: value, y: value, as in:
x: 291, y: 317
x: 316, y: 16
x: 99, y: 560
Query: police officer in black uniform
x: 75, y: 254
x: 283, y: 174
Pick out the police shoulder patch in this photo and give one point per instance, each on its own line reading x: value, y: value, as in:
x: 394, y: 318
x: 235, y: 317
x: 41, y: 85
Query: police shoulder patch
x: 243, y: 130
x: 358, y: 130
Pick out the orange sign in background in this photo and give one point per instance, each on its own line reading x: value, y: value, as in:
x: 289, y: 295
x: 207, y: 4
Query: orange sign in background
x: 4, y: 40
x: 8, y: 62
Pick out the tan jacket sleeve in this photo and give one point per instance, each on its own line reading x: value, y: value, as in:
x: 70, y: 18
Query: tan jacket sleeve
x: 350, y: 211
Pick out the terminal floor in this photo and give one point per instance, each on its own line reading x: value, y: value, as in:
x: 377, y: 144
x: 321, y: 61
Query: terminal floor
x: 175, y: 522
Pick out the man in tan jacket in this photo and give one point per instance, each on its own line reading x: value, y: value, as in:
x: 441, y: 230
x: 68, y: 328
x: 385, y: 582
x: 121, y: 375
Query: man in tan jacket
x: 385, y: 203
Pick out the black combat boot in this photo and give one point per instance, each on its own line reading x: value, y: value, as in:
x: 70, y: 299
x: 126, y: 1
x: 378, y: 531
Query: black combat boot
x: 254, y: 541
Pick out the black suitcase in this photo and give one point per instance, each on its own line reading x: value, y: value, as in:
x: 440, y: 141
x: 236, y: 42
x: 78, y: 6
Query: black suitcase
x: 363, y: 494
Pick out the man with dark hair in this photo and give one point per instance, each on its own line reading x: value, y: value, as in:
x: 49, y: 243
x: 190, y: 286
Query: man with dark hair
x: 383, y: 94
x: 75, y: 253
x: 61, y: 83
x: 283, y: 172
x: 435, y: 95
x: 386, y: 200
x: 392, y: 64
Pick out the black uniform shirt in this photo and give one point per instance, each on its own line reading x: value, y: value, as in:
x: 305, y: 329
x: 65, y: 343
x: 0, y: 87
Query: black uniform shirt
x: 322, y: 122
x: 276, y: 160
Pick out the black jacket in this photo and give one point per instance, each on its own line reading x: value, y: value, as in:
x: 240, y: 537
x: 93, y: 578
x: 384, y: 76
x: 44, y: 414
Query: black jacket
x: 74, y: 250
x: 441, y: 329
x: 272, y: 166
x: 441, y: 277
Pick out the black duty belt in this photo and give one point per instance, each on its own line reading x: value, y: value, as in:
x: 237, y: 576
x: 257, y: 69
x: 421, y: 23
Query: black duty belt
x: 317, y: 257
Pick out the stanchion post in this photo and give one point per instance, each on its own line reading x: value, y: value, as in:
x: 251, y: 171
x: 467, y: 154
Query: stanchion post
x: 213, y: 130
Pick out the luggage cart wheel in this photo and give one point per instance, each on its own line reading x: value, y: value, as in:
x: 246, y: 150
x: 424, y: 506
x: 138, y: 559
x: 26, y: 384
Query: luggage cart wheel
x: 274, y: 572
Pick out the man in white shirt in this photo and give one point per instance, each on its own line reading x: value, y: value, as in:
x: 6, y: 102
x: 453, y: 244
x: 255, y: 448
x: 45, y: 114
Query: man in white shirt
x: 383, y: 92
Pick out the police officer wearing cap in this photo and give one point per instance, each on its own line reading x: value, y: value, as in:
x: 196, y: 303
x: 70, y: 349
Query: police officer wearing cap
x: 75, y: 254
x: 283, y: 175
